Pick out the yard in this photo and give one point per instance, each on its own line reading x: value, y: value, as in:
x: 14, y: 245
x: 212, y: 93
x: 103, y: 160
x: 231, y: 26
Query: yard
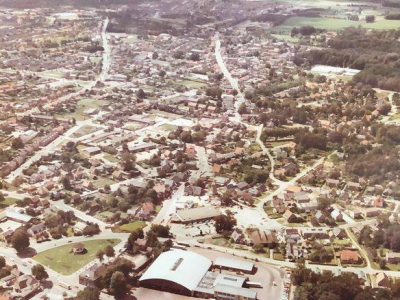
x: 61, y: 260
x: 83, y: 105
x: 131, y: 227
x: 7, y: 202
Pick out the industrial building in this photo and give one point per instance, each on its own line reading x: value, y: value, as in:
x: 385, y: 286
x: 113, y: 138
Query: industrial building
x: 188, y: 273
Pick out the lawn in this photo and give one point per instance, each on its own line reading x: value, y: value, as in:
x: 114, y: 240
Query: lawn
x: 7, y: 202
x: 130, y: 227
x: 191, y: 84
x: 83, y: 105
x: 394, y: 117
x: 62, y: 261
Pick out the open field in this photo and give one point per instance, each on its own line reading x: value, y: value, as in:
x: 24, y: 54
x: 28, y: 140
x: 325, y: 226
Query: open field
x: 131, y: 227
x: 7, y: 202
x: 191, y: 84
x: 329, y: 23
x: 62, y: 261
x: 83, y: 105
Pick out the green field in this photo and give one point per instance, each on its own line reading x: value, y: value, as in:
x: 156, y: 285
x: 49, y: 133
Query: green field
x: 62, y: 261
x: 332, y: 24
x: 191, y: 84
x: 7, y: 202
x: 130, y: 227
x: 82, y: 106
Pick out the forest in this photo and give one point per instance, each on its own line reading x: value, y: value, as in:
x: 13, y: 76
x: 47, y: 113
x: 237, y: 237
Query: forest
x: 375, y: 53
x: 327, y: 286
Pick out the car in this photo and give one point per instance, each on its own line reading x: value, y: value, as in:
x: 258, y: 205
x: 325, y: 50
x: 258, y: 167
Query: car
x: 69, y: 242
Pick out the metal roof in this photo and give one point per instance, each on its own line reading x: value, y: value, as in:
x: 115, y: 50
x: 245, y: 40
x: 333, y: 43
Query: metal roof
x: 182, y: 267
x: 232, y: 263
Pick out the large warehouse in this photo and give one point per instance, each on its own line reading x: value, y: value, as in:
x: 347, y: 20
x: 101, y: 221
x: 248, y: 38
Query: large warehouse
x: 177, y: 271
x: 188, y: 273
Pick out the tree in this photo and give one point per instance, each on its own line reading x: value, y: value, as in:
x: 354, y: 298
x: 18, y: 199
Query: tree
x: 17, y: 143
x: 141, y: 94
x: 39, y: 272
x: 162, y: 73
x: 88, y: 293
x: 225, y: 222
x: 370, y: 19
x: 118, y: 284
x: 2, y: 262
x: 195, y: 57
x: 2, y: 197
x: 395, y: 241
x: 20, y: 240
x: 100, y: 254
x: 66, y: 183
x: 155, y: 55
x: 242, y: 109
x: 109, y: 251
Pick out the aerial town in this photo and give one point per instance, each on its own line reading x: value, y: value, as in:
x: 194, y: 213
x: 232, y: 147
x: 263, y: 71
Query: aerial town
x: 218, y: 149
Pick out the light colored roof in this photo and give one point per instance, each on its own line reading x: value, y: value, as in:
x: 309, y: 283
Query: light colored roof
x: 232, y: 263
x: 231, y: 290
x: 198, y: 213
x: 182, y: 267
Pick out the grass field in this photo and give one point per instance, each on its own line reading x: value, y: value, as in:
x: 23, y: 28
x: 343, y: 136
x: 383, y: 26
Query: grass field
x: 7, y: 202
x: 191, y: 84
x: 82, y: 106
x: 332, y: 24
x: 131, y: 227
x: 62, y: 261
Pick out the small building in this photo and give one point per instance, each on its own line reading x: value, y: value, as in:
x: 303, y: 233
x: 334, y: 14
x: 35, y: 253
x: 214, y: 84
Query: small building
x: 382, y: 280
x: 78, y: 248
x: 392, y: 258
x: 92, y: 276
x: 240, y: 265
x: 350, y: 257
x: 370, y: 212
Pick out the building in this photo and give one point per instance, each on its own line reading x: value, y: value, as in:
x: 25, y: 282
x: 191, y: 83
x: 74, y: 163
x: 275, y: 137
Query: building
x: 92, y: 276
x: 240, y: 265
x: 393, y: 258
x: 350, y: 257
x: 188, y: 273
x: 196, y: 214
x: 177, y: 271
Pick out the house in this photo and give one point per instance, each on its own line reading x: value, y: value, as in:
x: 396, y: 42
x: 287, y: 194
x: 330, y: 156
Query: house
x: 370, y: 212
x: 36, y: 229
x: 242, y: 185
x: 353, y: 186
x: 382, y: 280
x: 332, y: 183
x: 289, y: 216
x: 355, y: 214
x: 193, y: 191
x: 350, y: 257
x: 238, y: 237
x: 337, y: 215
x: 392, y: 258
x: 94, y: 207
x: 265, y: 238
x: 78, y: 248
x: 93, y: 275
x: 25, y: 286
x: 339, y: 233
x: 146, y: 210
x: 320, y: 216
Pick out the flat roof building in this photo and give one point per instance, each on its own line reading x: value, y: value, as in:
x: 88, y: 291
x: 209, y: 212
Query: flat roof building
x: 197, y: 214
x: 234, y: 264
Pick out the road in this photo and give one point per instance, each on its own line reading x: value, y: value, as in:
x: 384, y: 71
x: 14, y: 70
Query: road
x: 232, y: 81
x: 168, y: 207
